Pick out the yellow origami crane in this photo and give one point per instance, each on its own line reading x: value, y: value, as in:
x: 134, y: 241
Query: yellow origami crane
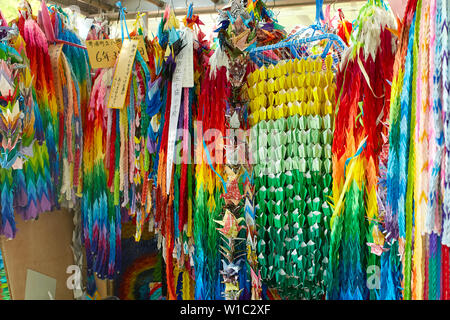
x: 230, y: 225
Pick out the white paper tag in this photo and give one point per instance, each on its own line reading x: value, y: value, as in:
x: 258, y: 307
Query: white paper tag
x: 188, y: 58
x: 177, y: 87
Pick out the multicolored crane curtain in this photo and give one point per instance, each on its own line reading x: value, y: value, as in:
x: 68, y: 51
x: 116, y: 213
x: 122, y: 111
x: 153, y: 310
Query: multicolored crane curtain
x: 360, y: 157
x: 224, y: 208
x: 242, y: 26
x: 419, y: 112
x: 338, y: 190
x: 116, y: 164
x: 25, y: 185
x: 54, y: 89
x: 172, y: 150
x: 399, y: 193
x: 116, y: 168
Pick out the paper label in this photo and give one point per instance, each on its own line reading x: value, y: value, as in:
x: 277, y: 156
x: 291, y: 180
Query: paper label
x: 188, y: 62
x: 102, y: 53
x: 181, y: 78
x: 122, y: 74
x: 141, y: 46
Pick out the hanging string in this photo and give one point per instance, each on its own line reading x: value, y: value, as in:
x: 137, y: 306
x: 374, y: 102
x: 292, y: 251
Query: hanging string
x: 122, y: 20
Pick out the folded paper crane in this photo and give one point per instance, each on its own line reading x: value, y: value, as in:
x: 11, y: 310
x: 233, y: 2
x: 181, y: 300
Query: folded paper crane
x: 230, y: 225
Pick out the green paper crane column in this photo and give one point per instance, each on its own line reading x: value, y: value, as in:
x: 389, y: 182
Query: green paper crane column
x: 293, y: 185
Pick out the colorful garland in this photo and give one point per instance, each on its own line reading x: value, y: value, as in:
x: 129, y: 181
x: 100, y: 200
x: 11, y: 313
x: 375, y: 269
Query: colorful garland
x: 344, y: 202
x: 362, y: 108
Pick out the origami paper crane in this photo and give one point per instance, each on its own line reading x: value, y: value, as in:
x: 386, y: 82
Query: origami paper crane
x: 256, y: 284
x: 10, y: 134
x: 376, y: 248
x: 230, y: 271
x: 230, y: 225
x: 233, y: 193
x: 230, y: 253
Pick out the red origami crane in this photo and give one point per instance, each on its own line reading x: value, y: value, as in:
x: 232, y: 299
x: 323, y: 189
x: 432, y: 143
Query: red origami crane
x: 233, y: 193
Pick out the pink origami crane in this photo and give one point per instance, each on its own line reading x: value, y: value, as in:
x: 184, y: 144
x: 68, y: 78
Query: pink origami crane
x: 376, y: 249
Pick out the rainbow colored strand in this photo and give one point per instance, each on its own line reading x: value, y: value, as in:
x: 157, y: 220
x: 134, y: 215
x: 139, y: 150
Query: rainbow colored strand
x: 96, y: 201
x: 70, y: 142
x: 421, y: 177
x: 76, y: 83
x: 40, y: 66
x: 207, y: 202
x: 443, y: 34
x: 362, y: 110
x: 115, y: 179
x: 399, y: 186
x: 426, y: 261
x: 164, y: 202
x: 433, y: 221
x: 24, y: 182
x: 34, y: 181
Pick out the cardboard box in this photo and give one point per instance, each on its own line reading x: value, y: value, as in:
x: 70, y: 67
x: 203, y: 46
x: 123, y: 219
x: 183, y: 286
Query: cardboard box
x: 42, y: 246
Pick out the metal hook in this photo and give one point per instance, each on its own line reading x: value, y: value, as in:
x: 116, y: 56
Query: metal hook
x: 138, y: 6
